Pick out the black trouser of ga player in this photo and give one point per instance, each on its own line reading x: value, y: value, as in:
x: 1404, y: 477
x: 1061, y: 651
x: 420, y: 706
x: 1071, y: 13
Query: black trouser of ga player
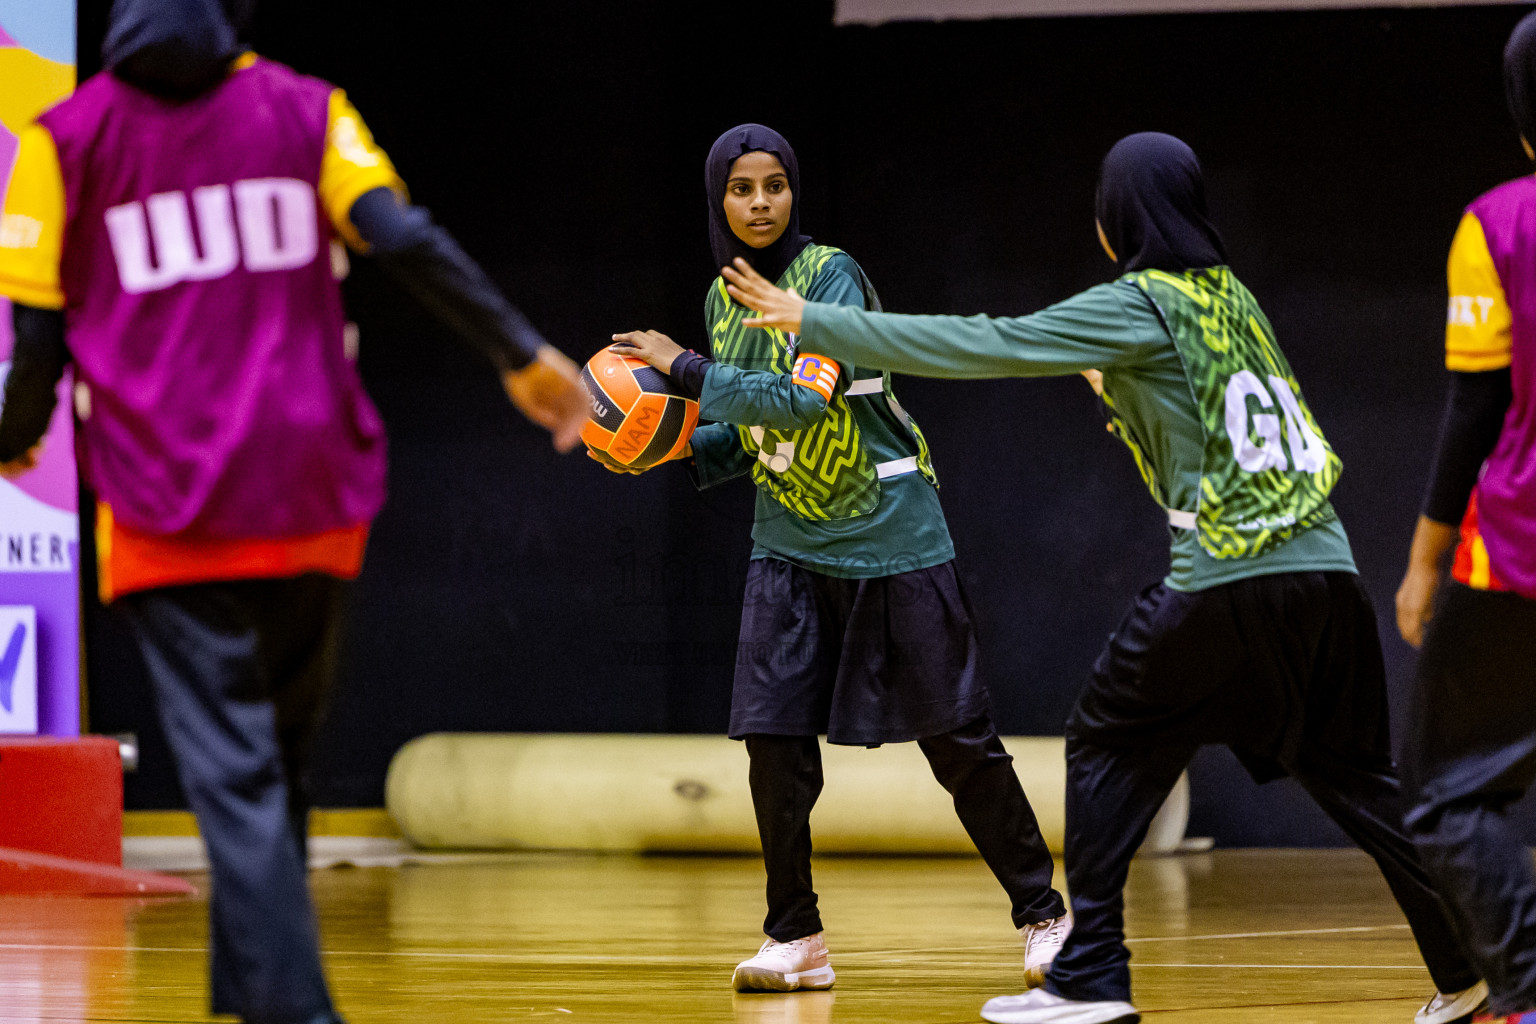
x: 1284, y: 668
x: 970, y: 763
x: 241, y: 672
x: 1471, y: 754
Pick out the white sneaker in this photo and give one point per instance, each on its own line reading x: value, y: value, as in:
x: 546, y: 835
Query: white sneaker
x: 1455, y: 1007
x: 786, y: 966
x: 1041, y: 944
x: 1038, y: 1006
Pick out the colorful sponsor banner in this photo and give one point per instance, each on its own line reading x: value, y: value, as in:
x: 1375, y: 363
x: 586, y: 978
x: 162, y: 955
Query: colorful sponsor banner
x: 877, y: 12
x: 18, y: 669
x: 39, y: 514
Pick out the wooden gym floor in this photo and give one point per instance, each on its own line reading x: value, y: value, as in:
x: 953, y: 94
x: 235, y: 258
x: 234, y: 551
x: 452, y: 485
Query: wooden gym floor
x: 1250, y: 936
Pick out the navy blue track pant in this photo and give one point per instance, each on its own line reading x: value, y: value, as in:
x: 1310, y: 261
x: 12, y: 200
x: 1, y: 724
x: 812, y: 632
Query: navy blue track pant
x: 241, y: 672
x: 1471, y: 754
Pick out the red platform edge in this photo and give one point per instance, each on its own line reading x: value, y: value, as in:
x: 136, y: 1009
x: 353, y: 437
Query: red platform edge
x: 62, y: 796
x: 22, y: 871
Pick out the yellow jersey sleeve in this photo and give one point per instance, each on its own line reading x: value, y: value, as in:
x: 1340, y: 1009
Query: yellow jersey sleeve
x: 32, y: 224
x: 352, y: 165
x: 1477, y: 324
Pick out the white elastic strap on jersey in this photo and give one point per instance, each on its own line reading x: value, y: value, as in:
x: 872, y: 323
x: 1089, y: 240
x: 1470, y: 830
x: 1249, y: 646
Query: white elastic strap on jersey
x: 1181, y: 520
x: 867, y: 386
x: 876, y: 386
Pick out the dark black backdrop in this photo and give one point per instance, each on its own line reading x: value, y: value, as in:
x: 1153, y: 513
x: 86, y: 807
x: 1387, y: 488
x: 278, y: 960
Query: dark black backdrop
x: 508, y: 589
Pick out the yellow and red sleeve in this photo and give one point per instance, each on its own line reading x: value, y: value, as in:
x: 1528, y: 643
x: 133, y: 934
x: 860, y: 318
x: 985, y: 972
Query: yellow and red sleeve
x: 353, y: 164
x: 1477, y: 323
x: 32, y: 224
x: 817, y: 373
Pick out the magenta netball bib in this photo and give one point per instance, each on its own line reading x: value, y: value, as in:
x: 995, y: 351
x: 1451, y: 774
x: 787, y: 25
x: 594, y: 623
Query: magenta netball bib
x: 203, y: 313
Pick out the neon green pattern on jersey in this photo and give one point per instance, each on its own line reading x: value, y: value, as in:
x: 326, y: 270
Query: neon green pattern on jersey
x: 1266, y: 470
x: 822, y: 472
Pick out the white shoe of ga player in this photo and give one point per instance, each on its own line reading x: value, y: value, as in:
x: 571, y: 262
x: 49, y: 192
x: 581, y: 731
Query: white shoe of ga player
x: 786, y: 966
x: 1037, y: 1006
x: 1452, y: 1008
x: 1041, y: 944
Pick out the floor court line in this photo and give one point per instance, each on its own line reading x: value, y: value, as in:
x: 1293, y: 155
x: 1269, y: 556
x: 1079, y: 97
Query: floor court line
x: 1292, y: 967
x: 1357, y: 929
x: 1271, y: 935
x: 591, y: 958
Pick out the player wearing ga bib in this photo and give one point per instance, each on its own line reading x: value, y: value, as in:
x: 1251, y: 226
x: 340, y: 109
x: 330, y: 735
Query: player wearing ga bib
x: 1261, y: 637
x: 854, y: 623
x: 1471, y: 749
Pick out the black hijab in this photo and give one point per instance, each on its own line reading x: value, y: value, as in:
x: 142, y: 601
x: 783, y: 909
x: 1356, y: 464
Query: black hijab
x: 1520, y: 76
x: 176, y: 48
x: 770, y: 261
x: 1151, y: 204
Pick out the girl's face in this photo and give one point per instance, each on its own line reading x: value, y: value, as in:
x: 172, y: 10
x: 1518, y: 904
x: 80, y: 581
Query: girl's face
x: 757, y: 199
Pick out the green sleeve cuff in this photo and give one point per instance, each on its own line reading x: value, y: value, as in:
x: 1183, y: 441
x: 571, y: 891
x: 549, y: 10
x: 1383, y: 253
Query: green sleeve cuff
x: 717, y: 455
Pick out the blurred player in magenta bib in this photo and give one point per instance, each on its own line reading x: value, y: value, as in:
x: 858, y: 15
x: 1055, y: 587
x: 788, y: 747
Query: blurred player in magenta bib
x: 1472, y: 735
x: 176, y: 230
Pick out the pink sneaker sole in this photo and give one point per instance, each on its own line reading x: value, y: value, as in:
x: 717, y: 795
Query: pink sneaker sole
x: 756, y: 979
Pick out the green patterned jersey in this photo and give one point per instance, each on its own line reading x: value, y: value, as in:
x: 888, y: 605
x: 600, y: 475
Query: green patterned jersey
x: 822, y: 470
x: 1118, y: 329
x: 844, y: 481
x: 1266, y: 470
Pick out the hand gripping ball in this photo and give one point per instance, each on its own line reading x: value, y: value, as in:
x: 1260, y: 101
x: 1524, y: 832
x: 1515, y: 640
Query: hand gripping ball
x: 638, y: 416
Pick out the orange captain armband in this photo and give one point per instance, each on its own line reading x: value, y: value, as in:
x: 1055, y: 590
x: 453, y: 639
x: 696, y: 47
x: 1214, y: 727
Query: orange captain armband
x: 817, y: 373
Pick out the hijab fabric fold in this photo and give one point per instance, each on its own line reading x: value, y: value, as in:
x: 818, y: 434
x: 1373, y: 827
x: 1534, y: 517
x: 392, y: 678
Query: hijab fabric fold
x: 176, y: 48
x: 1520, y: 76
x: 771, y: 261
x: 1151, y: 204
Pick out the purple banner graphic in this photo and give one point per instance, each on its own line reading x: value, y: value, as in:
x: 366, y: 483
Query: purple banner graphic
x: 39, y: 510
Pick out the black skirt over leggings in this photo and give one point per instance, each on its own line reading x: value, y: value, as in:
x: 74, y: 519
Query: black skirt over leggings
x: 872, y: 661
x: 863, y: 662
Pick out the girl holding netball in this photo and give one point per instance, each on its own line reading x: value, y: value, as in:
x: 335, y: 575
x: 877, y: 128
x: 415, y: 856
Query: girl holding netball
x: 855, y: 625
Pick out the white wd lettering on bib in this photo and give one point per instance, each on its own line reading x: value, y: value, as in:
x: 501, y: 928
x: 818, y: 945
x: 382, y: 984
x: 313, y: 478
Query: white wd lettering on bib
x: 277, y: 231
x: 1307, y: 450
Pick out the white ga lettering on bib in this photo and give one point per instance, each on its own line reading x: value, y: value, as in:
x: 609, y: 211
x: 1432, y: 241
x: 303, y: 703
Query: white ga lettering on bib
x: 1307, y: 450
x: 155, y: 245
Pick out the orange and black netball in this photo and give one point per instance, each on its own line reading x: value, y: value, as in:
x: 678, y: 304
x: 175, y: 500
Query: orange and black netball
x: 639, y: 417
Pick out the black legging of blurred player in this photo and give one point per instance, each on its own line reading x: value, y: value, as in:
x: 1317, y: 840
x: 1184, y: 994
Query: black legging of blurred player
x: 1471, y: 755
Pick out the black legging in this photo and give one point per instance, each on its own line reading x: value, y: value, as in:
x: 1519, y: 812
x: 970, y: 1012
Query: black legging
x: 970, y: 763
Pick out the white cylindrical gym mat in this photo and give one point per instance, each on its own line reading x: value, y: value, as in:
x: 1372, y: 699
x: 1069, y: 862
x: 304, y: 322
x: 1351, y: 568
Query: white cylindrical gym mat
x: 653, y: 794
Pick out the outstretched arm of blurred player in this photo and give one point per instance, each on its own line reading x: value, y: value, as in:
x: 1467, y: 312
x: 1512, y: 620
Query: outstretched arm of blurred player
x: 366, y: 201
x: 424, y: 259
x: 38, y: 360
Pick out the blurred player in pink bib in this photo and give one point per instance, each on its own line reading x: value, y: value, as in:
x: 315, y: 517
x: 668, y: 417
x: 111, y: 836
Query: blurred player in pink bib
x: 174, y: 230
x: 1472, y: 736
